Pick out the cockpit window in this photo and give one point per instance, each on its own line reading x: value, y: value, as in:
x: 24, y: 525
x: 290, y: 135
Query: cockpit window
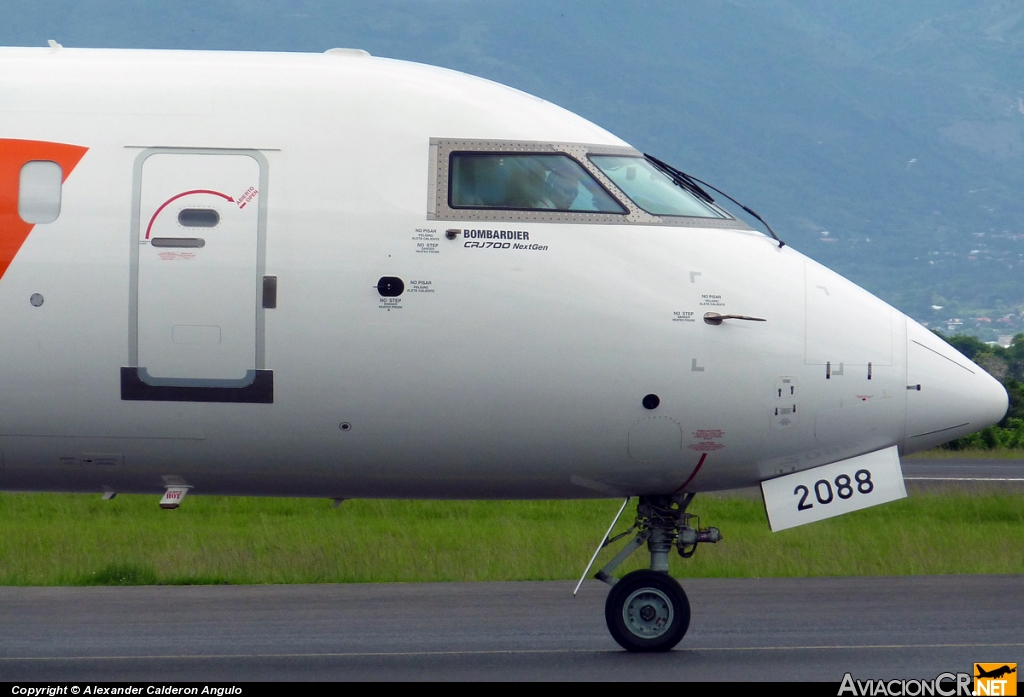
x: 526, y: 182
x: 651, y: 189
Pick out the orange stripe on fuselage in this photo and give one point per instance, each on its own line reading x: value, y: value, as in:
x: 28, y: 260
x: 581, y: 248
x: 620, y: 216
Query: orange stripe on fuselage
x: 13, y: 156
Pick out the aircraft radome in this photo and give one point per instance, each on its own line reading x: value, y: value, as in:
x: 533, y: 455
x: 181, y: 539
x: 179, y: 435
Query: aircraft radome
x: 342, y: 276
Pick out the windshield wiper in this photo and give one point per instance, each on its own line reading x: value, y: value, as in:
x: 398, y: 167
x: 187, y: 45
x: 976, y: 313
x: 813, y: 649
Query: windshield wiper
x: 692, y: 184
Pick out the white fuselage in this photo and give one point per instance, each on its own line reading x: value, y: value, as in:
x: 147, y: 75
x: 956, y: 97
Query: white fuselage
x: 499, y: 372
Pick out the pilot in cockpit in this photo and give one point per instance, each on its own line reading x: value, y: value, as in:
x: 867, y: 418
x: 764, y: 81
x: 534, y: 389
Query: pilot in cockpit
x: 525, y: 182
x: 561, y: 187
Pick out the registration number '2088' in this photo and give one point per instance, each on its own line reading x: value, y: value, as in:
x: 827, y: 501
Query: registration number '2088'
x: 844, y: 489
x: 833, y: 489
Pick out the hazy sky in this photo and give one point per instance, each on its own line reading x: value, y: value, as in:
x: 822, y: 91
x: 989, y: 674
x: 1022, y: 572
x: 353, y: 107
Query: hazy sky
x: 810, y: 111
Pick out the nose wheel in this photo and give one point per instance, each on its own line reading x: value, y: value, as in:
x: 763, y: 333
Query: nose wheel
x: 647, y: 611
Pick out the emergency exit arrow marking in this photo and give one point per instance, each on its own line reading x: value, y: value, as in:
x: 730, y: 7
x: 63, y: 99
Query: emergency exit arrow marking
x: 166, y: 203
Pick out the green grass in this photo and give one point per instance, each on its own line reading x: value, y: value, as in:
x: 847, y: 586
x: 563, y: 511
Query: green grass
x: 75, y: 539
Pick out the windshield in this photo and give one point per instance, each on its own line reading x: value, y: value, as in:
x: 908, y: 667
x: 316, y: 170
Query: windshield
x: 526, y: 182
x: 651, y: 189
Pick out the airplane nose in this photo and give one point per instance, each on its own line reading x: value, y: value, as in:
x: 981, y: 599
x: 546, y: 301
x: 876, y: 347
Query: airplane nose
x: 948, y: 396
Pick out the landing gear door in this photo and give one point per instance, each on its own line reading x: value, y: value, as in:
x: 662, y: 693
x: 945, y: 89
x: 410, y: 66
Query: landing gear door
x: 198, y: 229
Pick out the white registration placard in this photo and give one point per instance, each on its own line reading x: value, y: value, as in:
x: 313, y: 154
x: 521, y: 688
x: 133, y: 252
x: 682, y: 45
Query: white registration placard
x: 835, y: 489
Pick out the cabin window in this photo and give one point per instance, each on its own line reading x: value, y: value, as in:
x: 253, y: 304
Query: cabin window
x: 651, y: 189
x: 39, y: 191
x: 525, y: 182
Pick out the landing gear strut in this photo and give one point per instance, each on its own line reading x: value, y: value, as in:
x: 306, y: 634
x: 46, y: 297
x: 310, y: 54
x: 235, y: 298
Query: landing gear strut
x: 647, y: 610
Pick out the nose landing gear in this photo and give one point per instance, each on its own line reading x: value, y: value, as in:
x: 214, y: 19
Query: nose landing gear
x: 647, y: 610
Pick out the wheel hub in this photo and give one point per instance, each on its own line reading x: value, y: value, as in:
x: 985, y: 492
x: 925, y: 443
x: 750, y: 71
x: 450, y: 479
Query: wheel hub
x: 647, y: 613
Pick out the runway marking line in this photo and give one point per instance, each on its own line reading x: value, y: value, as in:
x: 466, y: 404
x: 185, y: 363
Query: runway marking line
x: 964, y: 479
x: 499, y: 652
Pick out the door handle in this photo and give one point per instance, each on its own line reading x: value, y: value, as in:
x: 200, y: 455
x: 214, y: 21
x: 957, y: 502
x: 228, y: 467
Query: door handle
x: 715, y: 319
x: 195, y: 242
x: 269, y: 292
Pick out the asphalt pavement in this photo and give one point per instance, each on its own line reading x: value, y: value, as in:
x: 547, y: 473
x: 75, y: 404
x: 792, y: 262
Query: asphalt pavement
x: 963, y: 469
x: 742, y: 629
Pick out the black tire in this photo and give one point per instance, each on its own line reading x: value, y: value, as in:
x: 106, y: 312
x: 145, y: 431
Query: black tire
x: 647, y: 611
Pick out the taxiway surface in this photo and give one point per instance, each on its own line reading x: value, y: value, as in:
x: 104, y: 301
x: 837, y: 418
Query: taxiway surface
x: 742, y: 629
x: 963, y: 469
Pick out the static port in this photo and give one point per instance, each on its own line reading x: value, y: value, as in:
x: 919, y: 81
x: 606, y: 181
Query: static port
x: 651, y: 401
x: 390, y: 286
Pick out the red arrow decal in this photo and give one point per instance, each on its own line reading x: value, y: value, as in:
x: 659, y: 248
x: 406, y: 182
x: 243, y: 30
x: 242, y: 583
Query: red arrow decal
x: 166, y: 203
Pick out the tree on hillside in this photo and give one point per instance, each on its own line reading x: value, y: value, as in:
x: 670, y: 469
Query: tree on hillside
x: 1007, y: 366
x: 1001, y: 363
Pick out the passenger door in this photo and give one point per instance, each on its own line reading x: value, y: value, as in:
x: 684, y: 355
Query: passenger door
x: 197, y: 278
